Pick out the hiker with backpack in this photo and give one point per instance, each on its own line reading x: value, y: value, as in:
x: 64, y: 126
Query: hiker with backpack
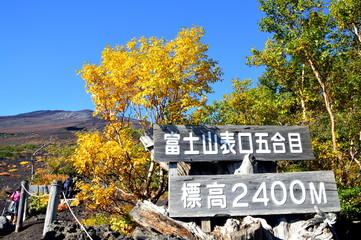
x: 14, y: 205
x: 67, y: 184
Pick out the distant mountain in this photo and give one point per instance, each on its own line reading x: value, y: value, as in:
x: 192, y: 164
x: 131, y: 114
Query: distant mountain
x: 40, y: 126
x: 46, y: 120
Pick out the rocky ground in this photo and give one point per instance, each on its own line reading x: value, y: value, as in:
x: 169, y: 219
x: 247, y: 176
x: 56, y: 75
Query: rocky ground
x: 65, y: 227
x: 33, y: 226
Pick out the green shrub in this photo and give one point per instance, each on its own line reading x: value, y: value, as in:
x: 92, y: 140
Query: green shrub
x: 57, y: 160
x: 97, y: 219
x: 350, y: 198
x: 9, y: 152
x: 122, y: 224
x: 14, y: 152
x: 38, y: 203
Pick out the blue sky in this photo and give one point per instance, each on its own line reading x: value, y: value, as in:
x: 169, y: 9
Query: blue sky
x: 44, y: 42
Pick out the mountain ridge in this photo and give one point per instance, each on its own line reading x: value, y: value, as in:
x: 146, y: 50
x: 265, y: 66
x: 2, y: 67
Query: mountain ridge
x: 39, y: 126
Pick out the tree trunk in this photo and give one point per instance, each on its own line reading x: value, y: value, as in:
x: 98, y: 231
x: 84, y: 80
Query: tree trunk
x: 356, y: 32
x: 152, y: 217
x: 327, y: 100
x: 302, y: 89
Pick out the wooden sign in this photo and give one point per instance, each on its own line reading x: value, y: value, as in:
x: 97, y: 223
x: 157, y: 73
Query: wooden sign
x: 252, y: 194
x: 175, y: 143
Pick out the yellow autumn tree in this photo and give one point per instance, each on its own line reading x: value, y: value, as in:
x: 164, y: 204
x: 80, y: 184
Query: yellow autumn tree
x: 151, y: 80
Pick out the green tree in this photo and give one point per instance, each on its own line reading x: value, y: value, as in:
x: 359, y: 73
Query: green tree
x: 284, y: 74
x: 347, y: 15
x: 259, y: 105
x: 303, y: 29
x: 313, y: 53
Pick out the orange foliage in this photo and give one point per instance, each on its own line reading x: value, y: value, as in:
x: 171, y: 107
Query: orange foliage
x: 42, y: 177
x: 62, y: 207
x: 15, y: 176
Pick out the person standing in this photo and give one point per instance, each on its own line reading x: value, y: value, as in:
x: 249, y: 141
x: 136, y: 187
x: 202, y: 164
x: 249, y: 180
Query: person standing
x: 14, y: 205
x: 67, y: 185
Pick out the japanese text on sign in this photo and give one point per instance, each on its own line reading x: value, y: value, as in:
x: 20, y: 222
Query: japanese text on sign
x: 231, y: 143
x: 174, y: 143
x: 277, y: 192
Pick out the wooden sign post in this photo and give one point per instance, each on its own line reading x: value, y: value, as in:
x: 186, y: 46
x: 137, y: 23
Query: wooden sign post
x: 239, y: 195
x: 175, y: 143
x: 252, y: 194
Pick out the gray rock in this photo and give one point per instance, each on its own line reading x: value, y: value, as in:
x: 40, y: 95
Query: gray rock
x: 70, y: 231
x: 5, y: 226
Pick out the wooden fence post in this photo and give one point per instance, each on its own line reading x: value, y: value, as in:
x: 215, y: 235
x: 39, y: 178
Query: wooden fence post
x: 26, y: 203
x: 51, y: 211
x: 21, y: 207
